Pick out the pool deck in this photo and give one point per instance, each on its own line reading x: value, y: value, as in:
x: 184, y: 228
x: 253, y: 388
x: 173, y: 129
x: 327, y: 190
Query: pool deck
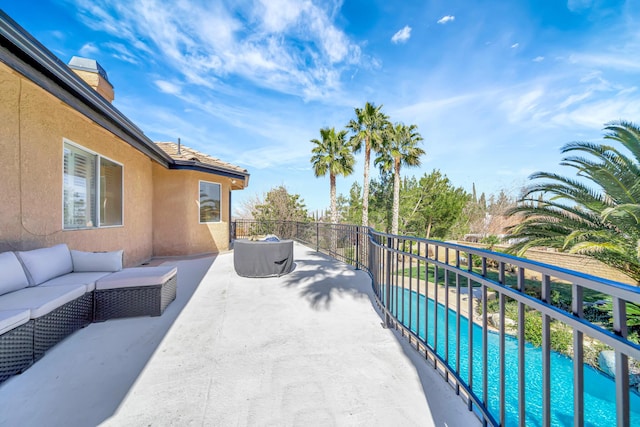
x: 304, y: 349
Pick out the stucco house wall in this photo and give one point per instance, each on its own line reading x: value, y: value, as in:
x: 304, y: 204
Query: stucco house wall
x: 33, y: 126
x: 176, y: 215
x: 45, y: 103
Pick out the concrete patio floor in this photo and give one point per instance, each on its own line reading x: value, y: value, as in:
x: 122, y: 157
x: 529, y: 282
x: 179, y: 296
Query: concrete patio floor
x: 304, y: 349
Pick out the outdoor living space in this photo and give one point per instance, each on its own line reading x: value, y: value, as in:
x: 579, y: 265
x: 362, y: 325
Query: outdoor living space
x: 306, y: 348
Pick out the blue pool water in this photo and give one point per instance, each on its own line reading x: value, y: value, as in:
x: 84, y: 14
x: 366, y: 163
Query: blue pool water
x: 599, y: 389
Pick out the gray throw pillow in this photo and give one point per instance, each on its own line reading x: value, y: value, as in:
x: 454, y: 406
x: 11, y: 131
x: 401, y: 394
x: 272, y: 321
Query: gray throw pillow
x: 13, y: 276
x: 46, y: 263
x: 97, y: 261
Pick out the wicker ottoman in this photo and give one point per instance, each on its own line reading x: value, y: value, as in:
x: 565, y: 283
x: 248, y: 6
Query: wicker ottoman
x: 139, y: 291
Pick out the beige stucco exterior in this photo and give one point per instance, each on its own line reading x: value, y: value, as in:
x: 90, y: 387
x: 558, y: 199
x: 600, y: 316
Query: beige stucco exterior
x: 176, y: 213
x: 160, y: 205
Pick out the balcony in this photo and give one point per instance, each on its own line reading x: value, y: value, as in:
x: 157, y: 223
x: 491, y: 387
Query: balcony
x: 308, y: 348
x: 523, y: 343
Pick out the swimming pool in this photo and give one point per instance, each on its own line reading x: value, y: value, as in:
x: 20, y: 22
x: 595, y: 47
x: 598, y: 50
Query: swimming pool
x: 599, y: 389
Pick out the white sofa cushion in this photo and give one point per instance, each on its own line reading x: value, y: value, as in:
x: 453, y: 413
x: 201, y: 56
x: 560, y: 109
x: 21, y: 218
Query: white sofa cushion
x: 88, y: 279
x: 46, y: 263
x: 11, y: 319
x: 12, y: 276
x: 96, y: 261
x: 137, y: 276
x: 41, y: 300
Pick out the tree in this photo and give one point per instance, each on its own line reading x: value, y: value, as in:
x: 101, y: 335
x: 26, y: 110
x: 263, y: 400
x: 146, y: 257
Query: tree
x: 400, y: 148
x: 367, y: 128
x: 350, y: 209
x: 472, y: 219
x: 596, y: 214
x: 332, y: 154
x: 279, y: 205
x: 431, y: 206
x: 381, y: 202
x: 497, y: 221
x: 246, y: 208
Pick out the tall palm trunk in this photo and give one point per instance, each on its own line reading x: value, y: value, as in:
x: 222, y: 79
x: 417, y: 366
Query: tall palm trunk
x: 396, y: 195
x: 334, y: 207
x: 365, y: 185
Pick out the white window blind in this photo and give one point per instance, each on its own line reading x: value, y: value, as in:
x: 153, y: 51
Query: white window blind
x: 88, y: 201
x: 79, y: 188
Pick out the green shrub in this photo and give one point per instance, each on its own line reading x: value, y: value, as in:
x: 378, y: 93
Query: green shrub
x: 561, y: 338
x: 491, y: 240
x: 533, y: 327
x: 561, y: 335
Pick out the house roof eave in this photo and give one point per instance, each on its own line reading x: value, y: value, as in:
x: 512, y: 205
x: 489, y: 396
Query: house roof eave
x: 23, y: 53
x: 206, y: 168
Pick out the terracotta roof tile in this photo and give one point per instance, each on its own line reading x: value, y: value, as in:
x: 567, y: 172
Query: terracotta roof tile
x: 188, y: 154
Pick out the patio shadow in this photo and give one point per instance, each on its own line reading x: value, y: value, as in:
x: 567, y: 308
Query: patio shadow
x: 320, y: 279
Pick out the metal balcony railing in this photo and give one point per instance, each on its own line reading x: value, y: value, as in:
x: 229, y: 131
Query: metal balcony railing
x: 517, y: 339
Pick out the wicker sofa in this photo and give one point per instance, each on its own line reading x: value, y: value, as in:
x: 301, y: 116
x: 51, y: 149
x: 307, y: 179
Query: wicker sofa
x: 46, y: 294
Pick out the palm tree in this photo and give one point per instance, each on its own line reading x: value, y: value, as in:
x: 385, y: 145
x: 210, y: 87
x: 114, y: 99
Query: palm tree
x: 332, y: 154
x: 597, y: 214
x: 400, y: 148
x: 367, y: 128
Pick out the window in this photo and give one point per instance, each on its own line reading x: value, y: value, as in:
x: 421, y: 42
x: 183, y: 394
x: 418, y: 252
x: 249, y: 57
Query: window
x: 209, y: 202
x: 92, y: 195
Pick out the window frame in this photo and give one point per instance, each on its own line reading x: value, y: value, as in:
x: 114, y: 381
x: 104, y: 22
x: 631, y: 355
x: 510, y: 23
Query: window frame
x: 200, y: 206
x: 98, y: 194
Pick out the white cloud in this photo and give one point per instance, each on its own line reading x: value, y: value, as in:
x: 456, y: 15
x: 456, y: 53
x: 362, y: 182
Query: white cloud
x: 607, y: 60
x: 168, y: 87
x: 595, y: 114
x: 402, y: 35
x: 597, y: 82
x: 538, y: 59
x: 88, y: 49
x: 121, y: 52
x: 628, y: 90
x: 288, y: 46
x: 573, y: 99
x: 58, y: 34
x: 446, y: 19
x: 515, y: 45
x: 523, y: 106
x: 278, y: 15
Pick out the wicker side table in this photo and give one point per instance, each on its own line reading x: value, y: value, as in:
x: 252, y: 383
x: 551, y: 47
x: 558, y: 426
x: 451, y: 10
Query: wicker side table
x: 139, y: 291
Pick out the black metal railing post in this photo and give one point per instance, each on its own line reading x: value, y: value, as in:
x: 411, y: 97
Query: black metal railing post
x: 357, y: 247
x: 387, y: 283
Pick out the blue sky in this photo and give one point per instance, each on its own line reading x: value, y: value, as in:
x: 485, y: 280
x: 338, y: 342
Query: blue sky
x: 495, y: 87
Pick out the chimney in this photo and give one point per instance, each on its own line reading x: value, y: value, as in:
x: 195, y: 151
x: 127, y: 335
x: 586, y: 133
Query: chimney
x: 94, y: 75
